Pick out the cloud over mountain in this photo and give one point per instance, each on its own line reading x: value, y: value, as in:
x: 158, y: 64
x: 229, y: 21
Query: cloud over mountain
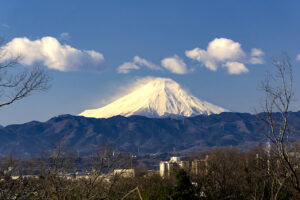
x: 175, y: 64
x: 225, y: 53
x: 220, y: 52
x: 54, y: 55
x: 126, y: 67
x: 136, y: 64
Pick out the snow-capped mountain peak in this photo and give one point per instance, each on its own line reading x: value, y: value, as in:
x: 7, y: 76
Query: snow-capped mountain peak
x: 156, y: 97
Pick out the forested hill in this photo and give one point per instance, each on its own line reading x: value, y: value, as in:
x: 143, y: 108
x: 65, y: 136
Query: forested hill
x: 135, y: 134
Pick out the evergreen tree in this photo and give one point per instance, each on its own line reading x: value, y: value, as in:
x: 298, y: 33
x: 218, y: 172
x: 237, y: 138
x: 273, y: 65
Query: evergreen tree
x: 184, y: 188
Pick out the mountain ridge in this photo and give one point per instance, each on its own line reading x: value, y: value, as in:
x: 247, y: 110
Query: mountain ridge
x: 135, y: 134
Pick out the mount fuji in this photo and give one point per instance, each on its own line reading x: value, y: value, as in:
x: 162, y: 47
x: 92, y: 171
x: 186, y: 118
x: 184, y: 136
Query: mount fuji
x: 156, y: 98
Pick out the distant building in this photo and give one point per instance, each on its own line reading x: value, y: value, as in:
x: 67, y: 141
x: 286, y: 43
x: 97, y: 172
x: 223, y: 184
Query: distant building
x: 126, y: 173
x: 166, y: 168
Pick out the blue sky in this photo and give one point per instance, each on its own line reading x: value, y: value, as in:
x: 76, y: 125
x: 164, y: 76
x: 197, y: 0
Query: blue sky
x: 117, y: 31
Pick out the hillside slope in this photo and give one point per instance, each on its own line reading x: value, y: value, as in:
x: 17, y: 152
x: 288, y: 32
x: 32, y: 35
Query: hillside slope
x: 134, y: 134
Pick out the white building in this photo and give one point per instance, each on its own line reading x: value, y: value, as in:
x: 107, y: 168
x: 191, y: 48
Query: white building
x: 166, y: 168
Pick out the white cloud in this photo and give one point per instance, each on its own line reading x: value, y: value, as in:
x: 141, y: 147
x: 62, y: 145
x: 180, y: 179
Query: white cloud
x: 202, y: 56
x: 54, y: 55
x: 64, y: 36
x: 256, y: 56
x: 146, y: 63
x: 225, y: 49
x: 225, y: 52
x: 235, y: 67
x: 256, y: 52
x: 137, y: 63
x: 126, y: 67
x: 175, y: 65
x: 256, y: 60
x: 298, y: 57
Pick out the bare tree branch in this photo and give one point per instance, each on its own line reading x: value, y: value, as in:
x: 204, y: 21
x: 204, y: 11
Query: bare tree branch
x: 278, y: 97
x: 15, y: 84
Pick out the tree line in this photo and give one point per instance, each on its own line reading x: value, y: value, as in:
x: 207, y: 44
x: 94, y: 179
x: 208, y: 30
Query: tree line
x: 223, y: 173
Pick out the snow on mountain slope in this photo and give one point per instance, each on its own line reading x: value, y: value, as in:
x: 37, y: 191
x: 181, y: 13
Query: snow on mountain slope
x: 158, y: 97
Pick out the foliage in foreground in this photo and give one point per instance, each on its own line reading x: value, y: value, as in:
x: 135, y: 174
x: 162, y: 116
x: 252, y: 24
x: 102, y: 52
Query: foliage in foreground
x: 224, y: 173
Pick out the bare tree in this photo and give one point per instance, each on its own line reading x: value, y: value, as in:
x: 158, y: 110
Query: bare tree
x: 101, y: 176
x: 16, y: 84
x: 278, y: 89
x: 53, y: 176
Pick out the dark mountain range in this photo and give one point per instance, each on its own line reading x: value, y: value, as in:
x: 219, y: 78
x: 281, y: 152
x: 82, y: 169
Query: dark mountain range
x: 135, y: 133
